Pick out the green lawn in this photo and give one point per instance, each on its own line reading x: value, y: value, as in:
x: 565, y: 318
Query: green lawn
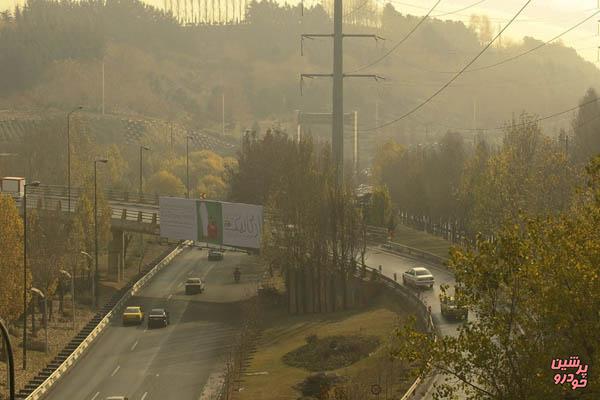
x: 269, y: 378
x: 422, y: 241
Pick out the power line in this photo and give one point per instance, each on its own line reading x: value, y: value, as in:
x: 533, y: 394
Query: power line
x: 405, y: 38
x: 364, y: 3
x: 440, y: 90
x: 456, y: 12
x: 460, y: 10
x: 540, y: 119
x: 527, y: 51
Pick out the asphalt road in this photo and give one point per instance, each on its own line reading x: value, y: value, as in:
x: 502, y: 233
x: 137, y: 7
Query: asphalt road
x: 174, y: 362
x: 391, y: 263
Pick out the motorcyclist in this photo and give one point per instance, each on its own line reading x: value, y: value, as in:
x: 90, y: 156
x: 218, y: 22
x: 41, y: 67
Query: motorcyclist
x: 236, y: 274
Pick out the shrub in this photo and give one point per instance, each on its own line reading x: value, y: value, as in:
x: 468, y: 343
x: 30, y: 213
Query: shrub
x: 311, y: 339
x: 329, y: 353
x: 317, y: 385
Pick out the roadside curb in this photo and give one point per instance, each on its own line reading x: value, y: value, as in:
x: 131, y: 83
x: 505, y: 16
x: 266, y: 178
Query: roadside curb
x: 109, y: 311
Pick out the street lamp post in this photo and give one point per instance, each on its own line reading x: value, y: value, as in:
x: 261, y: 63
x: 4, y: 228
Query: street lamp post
x: 69, y: 154
x: 41, y: 294
x: 96, y: 274
x: 34, y: 184
x: 187, y: 164
x: 90, y: 260
x: 142, y: 148
x: 72, y: 277
x: 10, y: 359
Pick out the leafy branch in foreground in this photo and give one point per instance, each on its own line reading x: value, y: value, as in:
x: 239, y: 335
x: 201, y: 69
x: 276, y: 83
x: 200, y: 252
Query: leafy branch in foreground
x: 534, y: 294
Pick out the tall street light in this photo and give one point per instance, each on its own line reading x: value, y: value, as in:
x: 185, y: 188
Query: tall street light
x: 69, y: 154
x: 187, y: 164
x: 10, y: 359
x: 34, y: 184
x: 41, y: 295
x: 96, y: 274
x: 90, y: 260
x: 72, y: 277
x: 142, y: 148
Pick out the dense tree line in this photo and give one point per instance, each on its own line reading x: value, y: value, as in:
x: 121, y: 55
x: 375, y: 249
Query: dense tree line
x: 313, y: 231
x: 52, y: 53
x: 43, y: 156
x: 476, y: 189
x: 534, y: 292
x: 54, y: 243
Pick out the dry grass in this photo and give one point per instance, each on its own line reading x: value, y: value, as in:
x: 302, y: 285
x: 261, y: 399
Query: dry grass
x: 422, y: 241
x: 269, y: 378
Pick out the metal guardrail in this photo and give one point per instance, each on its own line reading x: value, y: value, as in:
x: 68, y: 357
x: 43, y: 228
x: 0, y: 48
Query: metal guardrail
x: 111, y: 194
x: 423, y: 312
x: 411, y: 251
x: 381, y: 236
x: 109, y: 312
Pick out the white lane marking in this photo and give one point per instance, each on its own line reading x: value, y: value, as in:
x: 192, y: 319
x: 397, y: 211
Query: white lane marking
x: 169, y: 297
x: 135, y: 344
x: 144, y: 395
x: 116, y: 370
x: 96, y: 395
x: 207, y: 272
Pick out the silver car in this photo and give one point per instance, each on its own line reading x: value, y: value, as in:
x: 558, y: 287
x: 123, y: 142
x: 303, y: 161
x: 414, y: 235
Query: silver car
x: 418, y: 277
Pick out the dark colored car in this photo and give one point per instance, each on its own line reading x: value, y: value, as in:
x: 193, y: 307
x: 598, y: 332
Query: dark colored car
x: 451, y: 310
x: 194, y: 285
x: 159, y: 318
x: 215, y: 255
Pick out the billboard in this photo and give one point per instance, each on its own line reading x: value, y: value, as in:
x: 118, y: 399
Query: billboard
x: 216, y: 222
x: 178, y: 218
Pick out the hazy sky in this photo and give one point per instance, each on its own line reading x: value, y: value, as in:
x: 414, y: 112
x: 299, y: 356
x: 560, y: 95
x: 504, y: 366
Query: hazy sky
x: 542, y: 19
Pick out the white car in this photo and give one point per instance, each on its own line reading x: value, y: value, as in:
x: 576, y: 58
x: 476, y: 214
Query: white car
x: 418, y: 277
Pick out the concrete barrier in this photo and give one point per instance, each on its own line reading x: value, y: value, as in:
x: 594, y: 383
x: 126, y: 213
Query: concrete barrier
x: 42, y: 389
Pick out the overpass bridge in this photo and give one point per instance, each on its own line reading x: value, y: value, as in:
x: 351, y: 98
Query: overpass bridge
x: 129, y: 213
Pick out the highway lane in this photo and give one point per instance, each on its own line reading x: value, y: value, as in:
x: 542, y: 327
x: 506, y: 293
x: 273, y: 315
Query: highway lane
x: 173, y: 362
x: 392, y: 263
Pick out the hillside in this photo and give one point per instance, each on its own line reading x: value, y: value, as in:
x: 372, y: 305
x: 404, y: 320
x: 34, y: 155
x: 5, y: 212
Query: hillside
x: 155, y: 67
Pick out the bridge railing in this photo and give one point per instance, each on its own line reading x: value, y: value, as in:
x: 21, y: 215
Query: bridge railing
x: 145, y: 217
x: 113, y: 195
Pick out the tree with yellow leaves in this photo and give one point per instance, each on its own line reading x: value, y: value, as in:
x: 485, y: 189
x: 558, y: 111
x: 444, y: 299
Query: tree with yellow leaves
x: 534, y: 295
x: 11, y: 260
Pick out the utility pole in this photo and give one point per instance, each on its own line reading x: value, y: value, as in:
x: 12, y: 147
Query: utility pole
x: 223, y: 113
x: 103, y: 86
x: 474, y: 113
x: 337, y: 129
x: 499, y: 36
x: 377, y: 110
x: 356, y: 143
x: 337, y: 125
x: 171, y: 126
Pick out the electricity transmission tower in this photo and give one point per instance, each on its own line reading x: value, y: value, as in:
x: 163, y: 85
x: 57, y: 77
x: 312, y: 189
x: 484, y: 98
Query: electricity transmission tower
x: 337, y: 126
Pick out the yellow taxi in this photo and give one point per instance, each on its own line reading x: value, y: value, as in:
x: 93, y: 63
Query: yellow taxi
x: 133, y: 315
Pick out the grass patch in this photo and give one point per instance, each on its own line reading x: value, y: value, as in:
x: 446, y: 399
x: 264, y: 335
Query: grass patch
x: 331, y: 352
x: 422, y: 241
x: 269, y: 377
